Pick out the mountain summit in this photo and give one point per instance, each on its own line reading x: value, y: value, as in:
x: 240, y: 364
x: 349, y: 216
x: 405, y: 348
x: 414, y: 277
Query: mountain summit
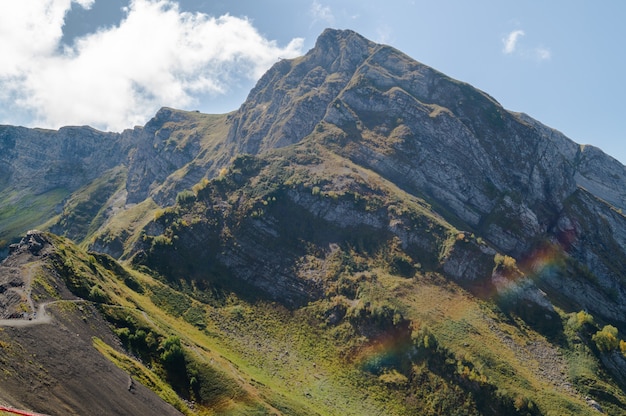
x: 499, y: 174
x: 364, y: 235
x: 443, y: 136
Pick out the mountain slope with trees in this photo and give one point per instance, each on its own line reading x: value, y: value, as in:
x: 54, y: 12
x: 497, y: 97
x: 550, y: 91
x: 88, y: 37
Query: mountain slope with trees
x: 364, y: 235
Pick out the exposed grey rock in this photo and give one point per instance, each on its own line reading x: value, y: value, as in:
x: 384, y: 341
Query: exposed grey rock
x: 503, y: 175
x: 469, y: 261
x: 41, y: 160
x: 161, y: 159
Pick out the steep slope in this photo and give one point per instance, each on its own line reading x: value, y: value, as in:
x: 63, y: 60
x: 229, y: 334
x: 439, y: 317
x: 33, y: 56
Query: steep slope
x: 48, y: 360
x: 363, y: 236
x: 498, y: 174
x: 77, y: 179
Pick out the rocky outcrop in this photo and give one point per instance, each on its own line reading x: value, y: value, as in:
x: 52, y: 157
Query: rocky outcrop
x: 171, y: 153
x: 34, y: 242
x: 170, y: 141
x: 70, y: 157
x: 294, y: 95
x: 594, y: 233
x: 503, y: 175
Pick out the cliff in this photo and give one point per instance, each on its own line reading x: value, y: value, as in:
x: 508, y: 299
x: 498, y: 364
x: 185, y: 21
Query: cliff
x: 356, y: 196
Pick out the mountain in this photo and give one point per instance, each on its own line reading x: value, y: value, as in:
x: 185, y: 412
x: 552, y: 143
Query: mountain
x: 364, y: 235
x: 77, y: 179
x: 51, y: 365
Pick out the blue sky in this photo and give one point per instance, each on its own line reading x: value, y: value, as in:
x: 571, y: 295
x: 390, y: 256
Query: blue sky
x: 112, y: 63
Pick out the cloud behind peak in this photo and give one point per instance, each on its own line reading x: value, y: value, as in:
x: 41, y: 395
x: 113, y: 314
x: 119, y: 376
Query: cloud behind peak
x: 117, y: 77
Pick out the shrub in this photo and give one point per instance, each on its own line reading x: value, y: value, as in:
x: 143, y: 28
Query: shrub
x: 158, y: 214
x: 98, y: 295
x: 423, y: 339
x: 200, y: 185
x: 606, y: 339
x: 507, y: 262
x: 393, y: 378
x: 579, y: 320
x: 161, y: 241
x: 185, y: 197
x: 172, y: 354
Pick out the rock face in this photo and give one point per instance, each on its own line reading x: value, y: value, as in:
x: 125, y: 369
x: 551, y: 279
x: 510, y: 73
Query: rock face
x: 425, y: 131
x: 46, y: 159
x: 500, y: 174
x: 47, y: 169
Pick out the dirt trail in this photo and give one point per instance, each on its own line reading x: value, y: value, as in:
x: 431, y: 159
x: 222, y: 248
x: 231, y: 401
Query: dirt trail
x: 41, y: 317
x: 38, y: 314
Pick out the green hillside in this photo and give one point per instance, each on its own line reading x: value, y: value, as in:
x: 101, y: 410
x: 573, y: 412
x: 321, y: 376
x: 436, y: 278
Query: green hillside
x: 364, y: 236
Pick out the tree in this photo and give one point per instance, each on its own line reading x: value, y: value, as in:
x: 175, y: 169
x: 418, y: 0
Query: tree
x: 580, y: 320
x: 606, y: 339
x: 172, y: 352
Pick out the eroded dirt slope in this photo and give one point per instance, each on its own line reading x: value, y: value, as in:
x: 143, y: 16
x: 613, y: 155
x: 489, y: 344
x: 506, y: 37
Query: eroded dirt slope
x: 48, y: 361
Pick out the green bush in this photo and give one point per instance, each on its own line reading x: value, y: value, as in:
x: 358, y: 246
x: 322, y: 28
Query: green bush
x: 211, y: 386
x: 172, y: 355
x: 606, y: 339
x: 185, y: 197
x: 579, y: 320
x: 98, y: 295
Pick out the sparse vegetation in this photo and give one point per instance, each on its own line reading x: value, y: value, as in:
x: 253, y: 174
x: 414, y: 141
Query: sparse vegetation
x: 580, y: 320
x: 331, y: 276
x: 606, y: 339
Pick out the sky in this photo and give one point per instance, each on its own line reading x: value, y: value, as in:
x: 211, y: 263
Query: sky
x: 112, y: 64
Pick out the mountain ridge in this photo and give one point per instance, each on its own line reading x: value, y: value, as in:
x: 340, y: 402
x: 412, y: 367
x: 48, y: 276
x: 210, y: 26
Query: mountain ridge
x: 356, y: 195
x: 452, y: 153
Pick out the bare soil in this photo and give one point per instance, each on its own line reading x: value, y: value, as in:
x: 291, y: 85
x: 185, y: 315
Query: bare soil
x: 47, y: 360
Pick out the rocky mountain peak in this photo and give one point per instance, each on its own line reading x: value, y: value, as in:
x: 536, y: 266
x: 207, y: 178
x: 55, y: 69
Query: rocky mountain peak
x: 500, y: 174
x: 359, y: 191
x: 341, y: 50
x: 292, y: 97
x: 433, y: 135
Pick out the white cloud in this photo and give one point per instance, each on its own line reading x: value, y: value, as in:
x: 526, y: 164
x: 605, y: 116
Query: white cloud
x: 542, y: 54
x: 119, y: 76
x: 321, y: 13
x: 30, y: 29
x: 512, y: 46
x: 510, y: 41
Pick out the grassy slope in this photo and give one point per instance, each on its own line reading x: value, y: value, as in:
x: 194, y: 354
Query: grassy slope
x: 481, y: 354
x: 83, y: 212
x: 208, y: 341
x: 22, y: 211
x: 270, y: 358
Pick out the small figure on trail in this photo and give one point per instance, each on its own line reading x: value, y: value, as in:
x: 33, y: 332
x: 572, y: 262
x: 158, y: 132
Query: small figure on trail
x: 131, y: 384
